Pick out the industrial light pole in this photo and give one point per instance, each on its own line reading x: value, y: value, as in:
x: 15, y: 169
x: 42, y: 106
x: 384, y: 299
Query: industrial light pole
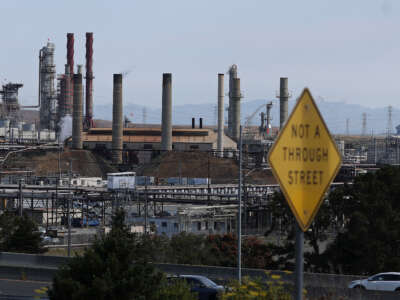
x: 239, y: 225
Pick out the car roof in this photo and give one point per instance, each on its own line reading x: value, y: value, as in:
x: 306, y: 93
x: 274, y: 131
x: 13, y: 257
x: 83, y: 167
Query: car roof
x: 388, y: 273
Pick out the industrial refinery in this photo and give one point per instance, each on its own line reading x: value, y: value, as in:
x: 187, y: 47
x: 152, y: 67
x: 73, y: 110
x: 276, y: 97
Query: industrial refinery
x: 66, y: 164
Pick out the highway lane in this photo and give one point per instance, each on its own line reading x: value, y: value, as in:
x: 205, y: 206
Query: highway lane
x: 23, y: 289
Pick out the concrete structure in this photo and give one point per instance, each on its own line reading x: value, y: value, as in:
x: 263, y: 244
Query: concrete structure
x: 117, y: 121
x: 235, y: 111
x: 77, y: 113
x: 283, y: 98
x: 166, y: 117
x: 220, y: 144
x: 47, y: 91
x: 140, y: 144
x: 89, y: 80
x: 232, y: 76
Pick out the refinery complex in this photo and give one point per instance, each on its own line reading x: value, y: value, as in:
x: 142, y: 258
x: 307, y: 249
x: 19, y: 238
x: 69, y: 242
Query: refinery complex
x: 185, y: 176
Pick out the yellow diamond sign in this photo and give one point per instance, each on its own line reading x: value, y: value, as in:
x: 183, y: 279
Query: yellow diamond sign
x: 304, y: 160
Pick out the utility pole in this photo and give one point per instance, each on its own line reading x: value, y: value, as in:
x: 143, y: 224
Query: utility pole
x: 239, y: 225
x: 68, y: 209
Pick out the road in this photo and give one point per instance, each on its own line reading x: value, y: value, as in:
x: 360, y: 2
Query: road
x: 23, y: 289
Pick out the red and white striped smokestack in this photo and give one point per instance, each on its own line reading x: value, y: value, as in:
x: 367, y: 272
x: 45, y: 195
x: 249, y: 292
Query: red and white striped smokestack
x: 70, y: 53
x: 89, y: 80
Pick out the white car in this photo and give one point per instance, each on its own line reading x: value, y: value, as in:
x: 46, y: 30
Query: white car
x: 380, y: 282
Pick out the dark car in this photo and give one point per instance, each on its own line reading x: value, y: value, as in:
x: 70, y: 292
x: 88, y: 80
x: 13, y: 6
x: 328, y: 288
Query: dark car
x: 205, y: 288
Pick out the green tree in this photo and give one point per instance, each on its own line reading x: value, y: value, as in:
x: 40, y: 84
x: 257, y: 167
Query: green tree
x: 111, y: 269
x: 19, y: 234
x: 370, y: 239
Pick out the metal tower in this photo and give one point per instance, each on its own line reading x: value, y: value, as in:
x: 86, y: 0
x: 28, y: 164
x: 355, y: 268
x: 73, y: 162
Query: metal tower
x: 47, y: 90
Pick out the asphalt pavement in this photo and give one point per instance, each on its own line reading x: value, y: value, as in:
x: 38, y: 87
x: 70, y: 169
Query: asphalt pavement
x: 23, y: 289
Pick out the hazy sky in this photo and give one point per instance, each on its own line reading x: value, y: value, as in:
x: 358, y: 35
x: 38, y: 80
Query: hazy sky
x: 343, y: 50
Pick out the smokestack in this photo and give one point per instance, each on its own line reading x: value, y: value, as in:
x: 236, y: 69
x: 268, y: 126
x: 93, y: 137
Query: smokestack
x: 166, y: 126
x: 70, y: 64
x: 89, y: 80
x: 269, y: 127
x: 68, y: 92
x: 236, y: 95
x: 193, y: 123
x: 200, y: 122
x: 79, y: 69
x: 232, y: 76
x: 117, y: 130
x: 220, y: 142
x: 284, y: 97
x: 70, y: 52
x: 77, y: 113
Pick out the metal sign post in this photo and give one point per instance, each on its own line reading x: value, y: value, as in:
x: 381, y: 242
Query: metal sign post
x: 304, y: 159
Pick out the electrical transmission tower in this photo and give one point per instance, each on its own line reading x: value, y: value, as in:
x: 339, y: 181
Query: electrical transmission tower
x: 390, y: 124
x: 347, y: 126
x: 364, y: 124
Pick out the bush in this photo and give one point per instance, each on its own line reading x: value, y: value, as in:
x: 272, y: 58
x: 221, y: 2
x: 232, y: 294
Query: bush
x: 258, y: 289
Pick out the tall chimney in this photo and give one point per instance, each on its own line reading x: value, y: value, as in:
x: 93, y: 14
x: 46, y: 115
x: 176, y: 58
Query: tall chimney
x: 79, y: 69
x: 193, y: 123
x: 68, y: 93
x: 77, y: 113
x: 89, y: 80
x: 200, y: 122
x: 166, y: 126
x: 117, y: 130
x: 232, y: 76
x: 284, y: 97
x: 70, y: 64
x: 70, y: 52
x: 236, y: 95
x: 269, y: 127
x: 220, y: 141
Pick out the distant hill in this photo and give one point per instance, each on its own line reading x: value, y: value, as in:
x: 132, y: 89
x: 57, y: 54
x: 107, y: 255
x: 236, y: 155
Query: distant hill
x: 334, y: 113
